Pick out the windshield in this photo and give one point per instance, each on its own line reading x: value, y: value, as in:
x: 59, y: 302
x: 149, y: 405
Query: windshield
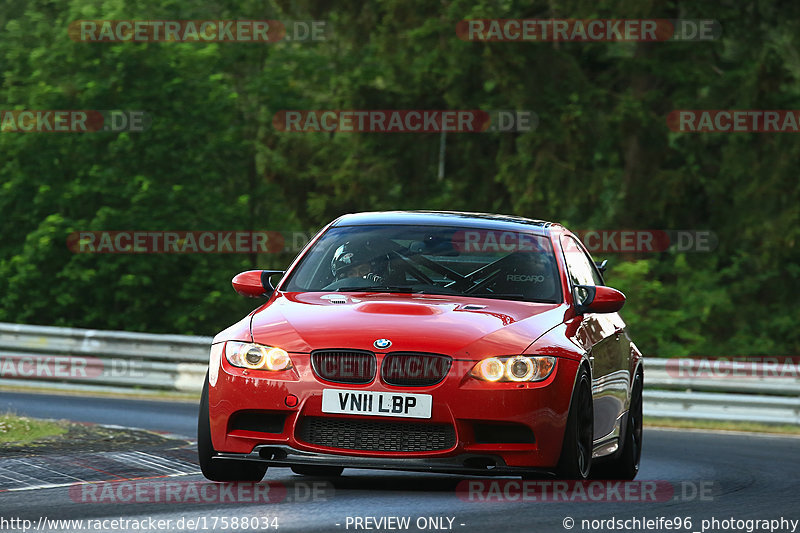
x: 430, y: 260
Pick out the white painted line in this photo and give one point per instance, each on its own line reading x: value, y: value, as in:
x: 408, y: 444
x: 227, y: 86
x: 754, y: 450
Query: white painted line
x: 11, y: 478
x: 34, y: 487
x: 61, y: 485
x: 50, y: 470
x: 144, y: 463
x: 169, y: 462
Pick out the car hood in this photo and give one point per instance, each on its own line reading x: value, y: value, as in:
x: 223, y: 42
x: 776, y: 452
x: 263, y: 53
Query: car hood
x: 462, y: 327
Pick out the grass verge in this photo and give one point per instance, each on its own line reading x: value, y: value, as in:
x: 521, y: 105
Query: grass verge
x: 24, y: 436
x: 720, y: 425
x: 188, y: 397
x: 18, y: 430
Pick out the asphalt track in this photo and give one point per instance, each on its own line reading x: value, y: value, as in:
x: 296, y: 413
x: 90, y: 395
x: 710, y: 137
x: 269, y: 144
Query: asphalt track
x: 699, y: 475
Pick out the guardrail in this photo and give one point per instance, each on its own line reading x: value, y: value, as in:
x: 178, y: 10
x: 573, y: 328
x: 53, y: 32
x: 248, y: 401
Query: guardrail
x: 111, y: 361
x: 144, y: 363
x: 741, y: 391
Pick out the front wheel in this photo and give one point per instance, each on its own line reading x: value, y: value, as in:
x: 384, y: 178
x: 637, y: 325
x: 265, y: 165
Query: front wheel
x: 626, y: 465
x: 220, y: 470
x: 576, y: 452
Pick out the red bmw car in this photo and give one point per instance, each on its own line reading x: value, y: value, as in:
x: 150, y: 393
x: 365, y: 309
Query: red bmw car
x: 427, y: 341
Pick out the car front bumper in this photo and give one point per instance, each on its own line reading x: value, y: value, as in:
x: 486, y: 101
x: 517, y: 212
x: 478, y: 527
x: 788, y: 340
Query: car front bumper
x: 497, y: 428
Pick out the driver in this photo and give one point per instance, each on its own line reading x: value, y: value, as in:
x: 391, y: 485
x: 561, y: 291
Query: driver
x: 350, y: 262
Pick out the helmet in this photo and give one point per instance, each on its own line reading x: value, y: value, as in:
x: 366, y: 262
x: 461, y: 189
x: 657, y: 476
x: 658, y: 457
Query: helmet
x: 345, y: 258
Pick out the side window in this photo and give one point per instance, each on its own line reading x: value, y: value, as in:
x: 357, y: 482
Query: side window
x: 579, y: 265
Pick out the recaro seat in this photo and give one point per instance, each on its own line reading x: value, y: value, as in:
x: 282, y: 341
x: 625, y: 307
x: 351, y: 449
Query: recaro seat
x: 527, y: 274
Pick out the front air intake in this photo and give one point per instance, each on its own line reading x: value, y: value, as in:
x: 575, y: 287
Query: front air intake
x: 410, y: 369
x: 344, y: 366
x: 369, y: 435
x: 261, y: 421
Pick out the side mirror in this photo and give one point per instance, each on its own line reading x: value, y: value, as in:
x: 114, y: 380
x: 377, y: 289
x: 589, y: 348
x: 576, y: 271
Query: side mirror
x: 597, y: 299
x: 254, y: 283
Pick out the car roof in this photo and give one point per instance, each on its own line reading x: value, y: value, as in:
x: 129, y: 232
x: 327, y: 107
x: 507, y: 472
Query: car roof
x: 446, y: 218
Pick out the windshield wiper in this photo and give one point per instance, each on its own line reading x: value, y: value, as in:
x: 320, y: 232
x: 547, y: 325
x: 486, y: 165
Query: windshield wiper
x: 377, y: 288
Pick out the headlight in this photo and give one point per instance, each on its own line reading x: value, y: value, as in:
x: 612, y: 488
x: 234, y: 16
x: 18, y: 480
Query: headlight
x: 491, y: 369
x: 514, y: 368
x: 257, y: 356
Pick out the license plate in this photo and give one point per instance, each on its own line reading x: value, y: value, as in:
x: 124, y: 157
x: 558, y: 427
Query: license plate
x: 354, y: 402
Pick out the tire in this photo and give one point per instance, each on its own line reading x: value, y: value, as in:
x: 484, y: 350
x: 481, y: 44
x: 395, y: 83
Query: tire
x: 319, y: 471
x: 576, y: 451
x: 228, y: 469
x: 626, y: 465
